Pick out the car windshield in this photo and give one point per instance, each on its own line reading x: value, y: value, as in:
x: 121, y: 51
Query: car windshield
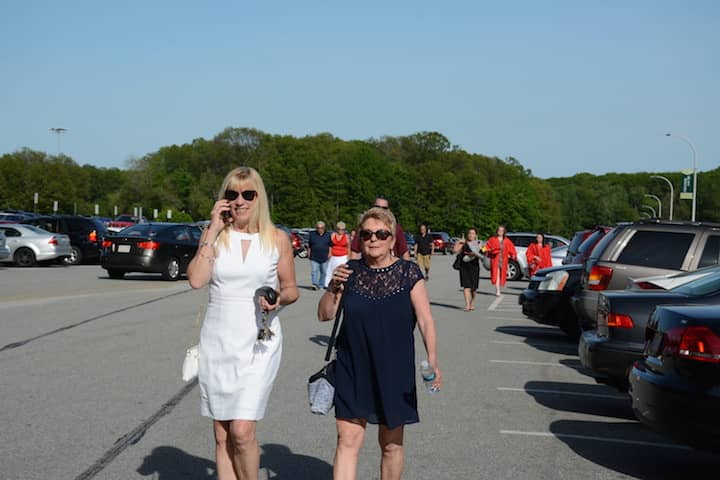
x: 141, y: 230
x: 589, y: 242
x: 707, y: 283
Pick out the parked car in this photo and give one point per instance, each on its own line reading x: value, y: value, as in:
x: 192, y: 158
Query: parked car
x: 675, y: 387
x: 441, y: 241
x: 123, y: 221
x: 641, y: 249
x: 547, y: 300
x: 608, y: 352
x: 4, y: 250
x: 295, y: 240
x: 578, y: 253
x: 86, y: 235
x: 164, y: 248
x: 27, y: 245
x: 14, y: 217
x: 517, y: 269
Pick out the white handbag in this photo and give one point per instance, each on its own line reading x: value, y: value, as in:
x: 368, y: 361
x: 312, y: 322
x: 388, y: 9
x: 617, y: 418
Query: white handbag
x: 191, y: 364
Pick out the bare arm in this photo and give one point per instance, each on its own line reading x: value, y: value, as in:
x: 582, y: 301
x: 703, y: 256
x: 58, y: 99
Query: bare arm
x: 199, y: 269
x: 286, y: 274
x: 328, y: 305
x: 421, y: 305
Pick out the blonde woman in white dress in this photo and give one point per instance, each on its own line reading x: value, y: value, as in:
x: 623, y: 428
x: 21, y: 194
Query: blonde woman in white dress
x: 239, y: 252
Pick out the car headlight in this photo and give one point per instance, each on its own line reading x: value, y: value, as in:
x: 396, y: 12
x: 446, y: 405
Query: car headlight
x: 554, y: 281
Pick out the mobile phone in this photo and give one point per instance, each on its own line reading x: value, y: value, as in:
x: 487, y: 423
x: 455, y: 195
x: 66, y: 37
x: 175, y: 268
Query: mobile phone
x: 226, y: 214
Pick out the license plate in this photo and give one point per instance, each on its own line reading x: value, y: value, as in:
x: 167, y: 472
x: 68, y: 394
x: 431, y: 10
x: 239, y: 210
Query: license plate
x: 123, y: 249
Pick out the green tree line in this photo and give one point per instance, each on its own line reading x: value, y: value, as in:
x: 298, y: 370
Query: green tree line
x: 322, y: 177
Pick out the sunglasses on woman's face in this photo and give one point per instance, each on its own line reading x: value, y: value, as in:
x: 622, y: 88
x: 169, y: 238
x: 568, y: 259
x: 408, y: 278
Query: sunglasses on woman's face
x: 248, y: 195
x: 366, y: 235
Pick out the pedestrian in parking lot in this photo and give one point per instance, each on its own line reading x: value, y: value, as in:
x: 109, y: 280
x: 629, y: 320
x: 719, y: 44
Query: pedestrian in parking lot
x: 499, y: 249
x: 339, y: 249
x: 384, y: 298
x: 538, y: 255
x: 469, y: 267
x: 424, y: 248
x: 400, y: 249
x: 239, y: 252
x: 319, y: 254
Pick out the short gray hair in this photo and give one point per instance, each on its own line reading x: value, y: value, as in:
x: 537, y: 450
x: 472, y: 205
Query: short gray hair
x: 319, y: 223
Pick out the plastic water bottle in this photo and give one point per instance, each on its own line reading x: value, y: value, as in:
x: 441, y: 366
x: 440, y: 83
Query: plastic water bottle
x: 428, y: 376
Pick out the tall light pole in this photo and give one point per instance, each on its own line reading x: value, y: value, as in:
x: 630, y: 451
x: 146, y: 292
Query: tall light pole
x: 672, y: 193
x: 58, y: 131
x: 692, y: 147
x: 659, y: 203
x: 651, y: 209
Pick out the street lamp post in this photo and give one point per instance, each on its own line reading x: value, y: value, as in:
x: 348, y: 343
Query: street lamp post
x: 659, y: 203
x: 692, y: 147
x: 651, y: 209
x: 672, y: 193
x: 58, y: 131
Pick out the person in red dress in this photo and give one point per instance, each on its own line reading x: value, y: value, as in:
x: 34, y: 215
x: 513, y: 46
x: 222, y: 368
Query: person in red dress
x: 499, y: 249
x: 538, y: 255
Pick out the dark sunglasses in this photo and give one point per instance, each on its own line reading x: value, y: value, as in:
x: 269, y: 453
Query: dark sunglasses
x: 248, y: 195
x: 366, y: 235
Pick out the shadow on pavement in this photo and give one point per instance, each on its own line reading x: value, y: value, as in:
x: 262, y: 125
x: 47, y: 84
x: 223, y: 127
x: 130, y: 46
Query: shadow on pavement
x: 533, y: 332
x: 281, y: 464
x: 170, y: 463
x: 634, y: 459
x: 600, y: 400
x: 445, y: 305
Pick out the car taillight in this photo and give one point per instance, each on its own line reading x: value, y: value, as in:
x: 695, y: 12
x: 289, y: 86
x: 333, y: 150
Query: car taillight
x: 599, y: 277
x: 106, y: 244
x: 618, y: 320
x: 694, y: 343
x: 149, y: 245
x: 53, y: 241
x: 647, y: 286
x: 92, y: 236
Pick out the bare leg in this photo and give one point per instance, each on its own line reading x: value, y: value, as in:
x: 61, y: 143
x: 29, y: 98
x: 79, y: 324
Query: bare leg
x: 393, y: 453
x: 246, y: 453
x: 223, y: 451
x: 472, y: 299
x: 498, y: 282
x: 351, y: 433
x: 468, y: 302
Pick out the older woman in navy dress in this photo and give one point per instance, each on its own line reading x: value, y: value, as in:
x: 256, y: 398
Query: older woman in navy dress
x: 385, y: 297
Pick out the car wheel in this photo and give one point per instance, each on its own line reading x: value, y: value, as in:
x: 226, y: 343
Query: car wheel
x: 172, y: 270
x: 74, y: 258
x: 513, y: 271
x: 24, y: 257
x: 116, y: 274
x: 302, y: 253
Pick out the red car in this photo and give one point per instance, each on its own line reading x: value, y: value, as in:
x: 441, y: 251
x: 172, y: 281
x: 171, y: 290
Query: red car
x: 125, y: 220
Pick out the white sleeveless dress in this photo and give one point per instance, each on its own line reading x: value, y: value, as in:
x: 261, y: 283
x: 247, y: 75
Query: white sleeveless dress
x: 236, y: 370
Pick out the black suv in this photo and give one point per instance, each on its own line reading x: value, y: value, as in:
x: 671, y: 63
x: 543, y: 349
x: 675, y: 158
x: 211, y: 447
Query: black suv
x: 86, y: 235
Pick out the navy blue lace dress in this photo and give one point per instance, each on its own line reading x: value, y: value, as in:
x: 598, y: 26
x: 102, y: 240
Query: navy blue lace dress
x: 375, y: 368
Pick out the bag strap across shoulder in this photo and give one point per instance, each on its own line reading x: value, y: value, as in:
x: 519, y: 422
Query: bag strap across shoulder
x: 336, y: 323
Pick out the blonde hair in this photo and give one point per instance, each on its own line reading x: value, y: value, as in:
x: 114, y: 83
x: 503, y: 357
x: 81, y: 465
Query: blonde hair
x: 247, y: 178
x: 381, y: 214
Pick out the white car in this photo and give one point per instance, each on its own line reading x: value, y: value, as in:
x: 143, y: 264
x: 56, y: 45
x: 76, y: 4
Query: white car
x: 28, y: 245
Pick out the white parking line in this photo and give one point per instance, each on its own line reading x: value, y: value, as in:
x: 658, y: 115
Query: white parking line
x: 545, y: 364
x: 563, y: 392
x: 596, y: 439
x: 495, y: 303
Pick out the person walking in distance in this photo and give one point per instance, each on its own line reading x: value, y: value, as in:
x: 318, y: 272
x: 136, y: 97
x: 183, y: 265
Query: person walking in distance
x: 240, y: 254
x: 469, y: 267
x: 500, y: 249
x: 424, y: 248
x: 375, y: 379
x: 400, y: 249
x: 319, y: 254
x: 538, y: 255
x: 340, y: 247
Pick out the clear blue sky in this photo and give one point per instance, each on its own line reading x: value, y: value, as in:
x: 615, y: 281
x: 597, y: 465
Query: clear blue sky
x: 563, y: 86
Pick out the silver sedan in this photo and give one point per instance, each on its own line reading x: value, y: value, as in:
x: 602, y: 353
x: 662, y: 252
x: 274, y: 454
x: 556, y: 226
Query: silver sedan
x: 29, y: 244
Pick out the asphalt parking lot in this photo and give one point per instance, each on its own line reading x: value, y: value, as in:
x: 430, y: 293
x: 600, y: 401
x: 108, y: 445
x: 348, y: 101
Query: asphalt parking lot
x: 91, y: 389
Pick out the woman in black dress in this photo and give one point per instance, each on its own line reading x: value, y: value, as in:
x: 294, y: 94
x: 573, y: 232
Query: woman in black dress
x: 375, y: 370
x: 469, y: 267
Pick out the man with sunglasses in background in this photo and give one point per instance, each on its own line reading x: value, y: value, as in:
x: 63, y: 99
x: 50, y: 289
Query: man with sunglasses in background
x: 319, y: 243
x: 401, y: 248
